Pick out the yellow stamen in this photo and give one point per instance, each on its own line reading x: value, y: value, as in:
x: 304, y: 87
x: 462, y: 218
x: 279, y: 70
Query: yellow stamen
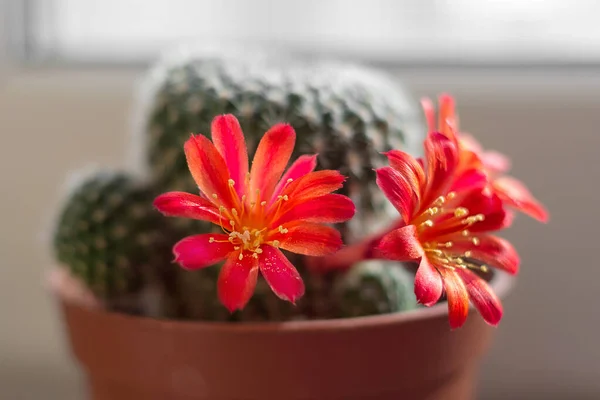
x: 428, y: 223
x: 461, y: 212
x: 433, y: 210
x: 439, y: 201
x: 221, y: 209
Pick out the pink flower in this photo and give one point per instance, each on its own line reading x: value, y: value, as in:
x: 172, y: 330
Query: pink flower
x: 259, y: 210
x: 511, y: 191
x: 447, y: 220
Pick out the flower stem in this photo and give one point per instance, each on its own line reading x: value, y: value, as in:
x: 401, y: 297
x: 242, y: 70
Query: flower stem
x: 366, y: 249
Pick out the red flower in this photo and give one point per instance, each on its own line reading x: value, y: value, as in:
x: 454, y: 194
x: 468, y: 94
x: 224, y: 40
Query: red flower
x: 472, y: 156
x: 260, y: 212
x: 447, y: 224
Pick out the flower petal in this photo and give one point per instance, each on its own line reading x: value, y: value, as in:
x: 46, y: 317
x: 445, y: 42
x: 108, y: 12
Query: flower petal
x: 458, y: 297
x: 491, y: 250
x: 428, y: 283
x: 482, y: 296
x: 488, y: 204
x: 309, y: 239
x: 330, y: 209
x: 442, y: 158
x: 402, y: 244
x: 398, y: 191
x: 469, y: 180
x: 315, y: 184
x: 429, y: 111
x: 208, y: 169
x: 199, y: 251
x: 280, y: 274
x: 187, y: 205
x: 229, y: 140
x: 302, y: 166
x: 447, y: 119
x: 237, y: 281
x: 311, y: 185
x: 468, y: 142
x: 270, y: 159
x: 516, y: 195
x: 493, y: 161
x: 408, y: 167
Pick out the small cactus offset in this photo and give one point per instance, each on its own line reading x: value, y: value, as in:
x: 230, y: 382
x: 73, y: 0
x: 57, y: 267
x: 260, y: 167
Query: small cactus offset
x: 109, y: 237
x: 374, y: 287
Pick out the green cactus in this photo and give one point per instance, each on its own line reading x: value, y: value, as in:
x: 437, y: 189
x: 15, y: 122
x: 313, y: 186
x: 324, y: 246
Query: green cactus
x: 196, y: 295
x: 109, y: 236
x: 346, y: 113
x: 374, y: 287
x: 315, y: 304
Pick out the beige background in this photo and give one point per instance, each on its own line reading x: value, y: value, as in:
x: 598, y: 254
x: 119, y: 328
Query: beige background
x: 54, y: 121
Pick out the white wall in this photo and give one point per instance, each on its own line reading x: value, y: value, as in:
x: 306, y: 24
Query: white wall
x: 54, y: 121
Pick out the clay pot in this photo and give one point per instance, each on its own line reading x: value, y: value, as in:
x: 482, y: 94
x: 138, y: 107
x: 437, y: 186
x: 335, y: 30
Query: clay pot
x: 411, y: 355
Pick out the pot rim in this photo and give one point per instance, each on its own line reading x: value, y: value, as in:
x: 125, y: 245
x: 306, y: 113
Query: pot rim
x: 501, y: 283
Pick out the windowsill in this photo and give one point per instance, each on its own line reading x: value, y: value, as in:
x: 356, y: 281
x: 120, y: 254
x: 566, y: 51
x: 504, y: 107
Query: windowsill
x: 496, y: 84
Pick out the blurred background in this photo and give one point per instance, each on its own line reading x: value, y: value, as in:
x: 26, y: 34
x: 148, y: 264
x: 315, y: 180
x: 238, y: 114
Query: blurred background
x: 526, y: 75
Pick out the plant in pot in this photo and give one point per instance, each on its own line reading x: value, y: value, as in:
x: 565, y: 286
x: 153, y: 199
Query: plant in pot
x: 319, y: 270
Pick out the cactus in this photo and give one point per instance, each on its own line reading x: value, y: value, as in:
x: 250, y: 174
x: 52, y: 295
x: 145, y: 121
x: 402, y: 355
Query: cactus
x: 109, y: 236
x: 346, y: 113
x: 374, y: 287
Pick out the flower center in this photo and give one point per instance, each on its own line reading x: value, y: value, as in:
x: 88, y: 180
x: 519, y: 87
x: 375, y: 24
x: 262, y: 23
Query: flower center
x: 248, y: 227
x: 443, y: 223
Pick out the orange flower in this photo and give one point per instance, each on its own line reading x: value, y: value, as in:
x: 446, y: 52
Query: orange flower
x: 259, y: 211
x: 472, y: 156
x: 446, y: 224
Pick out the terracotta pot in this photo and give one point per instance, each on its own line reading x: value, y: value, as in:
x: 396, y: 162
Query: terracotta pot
x: 411, y: 355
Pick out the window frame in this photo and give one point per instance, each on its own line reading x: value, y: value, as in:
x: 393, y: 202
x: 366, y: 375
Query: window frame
x: 23, y: 48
